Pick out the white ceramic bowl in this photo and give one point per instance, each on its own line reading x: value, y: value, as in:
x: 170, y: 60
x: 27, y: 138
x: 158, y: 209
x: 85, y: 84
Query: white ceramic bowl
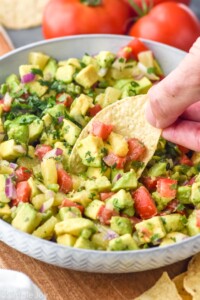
x: 81, y: 259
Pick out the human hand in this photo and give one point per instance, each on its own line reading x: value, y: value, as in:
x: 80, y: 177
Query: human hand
x: 175, y: 102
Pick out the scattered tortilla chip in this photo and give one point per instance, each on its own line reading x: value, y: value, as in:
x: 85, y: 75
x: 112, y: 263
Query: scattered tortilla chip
x: 191, y: 281
x: 128, y: 118
x: 163, y: 289
x: 5, y: 42
x: 178, y: 280
x: 21, y: 14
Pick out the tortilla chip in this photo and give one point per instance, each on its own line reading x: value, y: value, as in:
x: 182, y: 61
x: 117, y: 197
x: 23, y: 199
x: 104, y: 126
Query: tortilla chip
x: 21, y: 14
x: 191, y: 281
x: 178, y: 280
x: 128, y: 118
x: 163, y: 289
x: 5, y: 42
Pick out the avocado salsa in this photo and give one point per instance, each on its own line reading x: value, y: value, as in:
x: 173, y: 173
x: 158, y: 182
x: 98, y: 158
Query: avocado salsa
x: 43, y: 110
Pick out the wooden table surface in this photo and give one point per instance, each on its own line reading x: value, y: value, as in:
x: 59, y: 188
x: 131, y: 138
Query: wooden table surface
x: 61, y: 284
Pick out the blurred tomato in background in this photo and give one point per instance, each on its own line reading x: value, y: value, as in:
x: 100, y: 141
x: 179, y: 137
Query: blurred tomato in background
x: 171, y: 23
x: 70, y: 17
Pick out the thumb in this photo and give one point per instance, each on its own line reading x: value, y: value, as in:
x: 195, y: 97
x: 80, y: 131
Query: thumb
x: 181, y: 88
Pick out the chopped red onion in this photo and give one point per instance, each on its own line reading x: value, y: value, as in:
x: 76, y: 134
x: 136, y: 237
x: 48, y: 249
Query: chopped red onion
x: 117, y: 177
x: 53, y: 153
x: 42, y: 188
x: 46, y: 205
x: 109, y: 235
x: 28, y: 78
x: 102, y: 72
x: 60, y: 119
x: 13, y: 166
x: 10, y: 190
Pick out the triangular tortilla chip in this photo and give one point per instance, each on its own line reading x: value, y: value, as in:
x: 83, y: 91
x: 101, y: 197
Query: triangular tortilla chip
x: 191, y: 281
x: 128, y: 118
x: 178, y: 280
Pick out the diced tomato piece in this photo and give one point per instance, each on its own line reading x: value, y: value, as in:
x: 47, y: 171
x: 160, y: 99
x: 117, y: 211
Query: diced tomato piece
x: 22, y: 174
x: 167, y: 187
x: 198, y: 217
x: 101, y: 130
x: 104, y: 196
x: 184, y: 160
x: 191, y: 181
x: 94, y: 110
x: 23, y: 192
x: 150, y: 182
x: 172, y: 206
x: 113, y: 160
x: 69, y: 203
x: 132, y: 49
x: 183, y: 149
x: 5, y: 107
x: 41, y: 150
x: 64, y: 181
x: 136, y: 149
x: 144, y: 203
x: 64, y: 98
x: 105, y: 214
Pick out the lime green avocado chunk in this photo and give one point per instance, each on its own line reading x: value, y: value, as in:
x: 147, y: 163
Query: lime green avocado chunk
x: 174, y: 222
x: 127, y: 181
x: 46, y: 230
x: 74, y: 226
x: 192, y: 227
x: 121, y: 225
x: 121, y: 201
x: 124, y: 242
x: 27, y: 218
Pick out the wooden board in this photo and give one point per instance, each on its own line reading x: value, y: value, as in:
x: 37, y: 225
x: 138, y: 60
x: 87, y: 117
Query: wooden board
x: 60, y: 284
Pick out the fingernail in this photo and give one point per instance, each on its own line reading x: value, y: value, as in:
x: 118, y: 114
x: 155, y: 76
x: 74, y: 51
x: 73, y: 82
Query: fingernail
x: 150, y: 116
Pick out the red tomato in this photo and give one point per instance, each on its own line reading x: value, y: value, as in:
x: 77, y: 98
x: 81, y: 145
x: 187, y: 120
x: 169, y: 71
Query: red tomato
x: 5, y: 108
x: 198, y: 217
x: 144, y: 204
x: 112, y: 160
x: 104, y: 196
x: 69, y: 203
x: 183, y: 149
x: 70, y: 17
x: 41, y: 150
x: 64, y: 181
x: 23, y: 191
x: 155, y: 2
x: 184, y: 160
x: 22, y: 174
x: 172, y: 207
x: 132, y: 49
x: 64, y: 98
x: 101, y: 130
x: 94, y: 110
x: 149, y: 182
x: 136, y: 149
x: 166, y: 187
x: 171, y: 23
x: 105, y: 214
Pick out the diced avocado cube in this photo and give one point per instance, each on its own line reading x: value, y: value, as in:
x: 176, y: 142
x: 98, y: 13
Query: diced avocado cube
x: 87, y: 76
x: 74, y: 226
x: 80, y: 106
x: 195, y: 193
x: 99, y: 184
x: 50, y: 69
x: 66, y: 153
x: 146, y: 58
x: 192, y: 227
x: 89, y: 150
x: 110, y: 96
x: 121, y: 225
x: 3, y: 197
x: 49, y: 171
x: 38, y: 200
x: 28, y: 162
x: 69, y: 212
x: 9, y: 150
x: 38, y: 58
x: 82, y: 197
x: 151, y: 230
x: 118, y: 144
x: 46, y: 230
x: 174, y: 222
x: 158, y: 169
x: 92, y: 209
x: 99, y: 241
x: 83, y: 243
x: 27, y: 218
x: 172, y: 238
x: 33, y: 185
x: 124, y: 242
x: 26, y: 69
x: 70, y: 132
x: 71, y: 61
x: 161, y: 202
x: 18, y: 132
x: 97, y: 172
x: 35, y: 130
x: 13, y: 83
x: 89, y: 60
x: 184, y: 194
x: 66, y: 240
x: 127, y: 181
x: 196, y: 158
x: 65, y: 73
x: 5, y: 211
x: 105, y: 59
x: 47, y: 119
x: 35, y: 87
x: 122, y: 200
